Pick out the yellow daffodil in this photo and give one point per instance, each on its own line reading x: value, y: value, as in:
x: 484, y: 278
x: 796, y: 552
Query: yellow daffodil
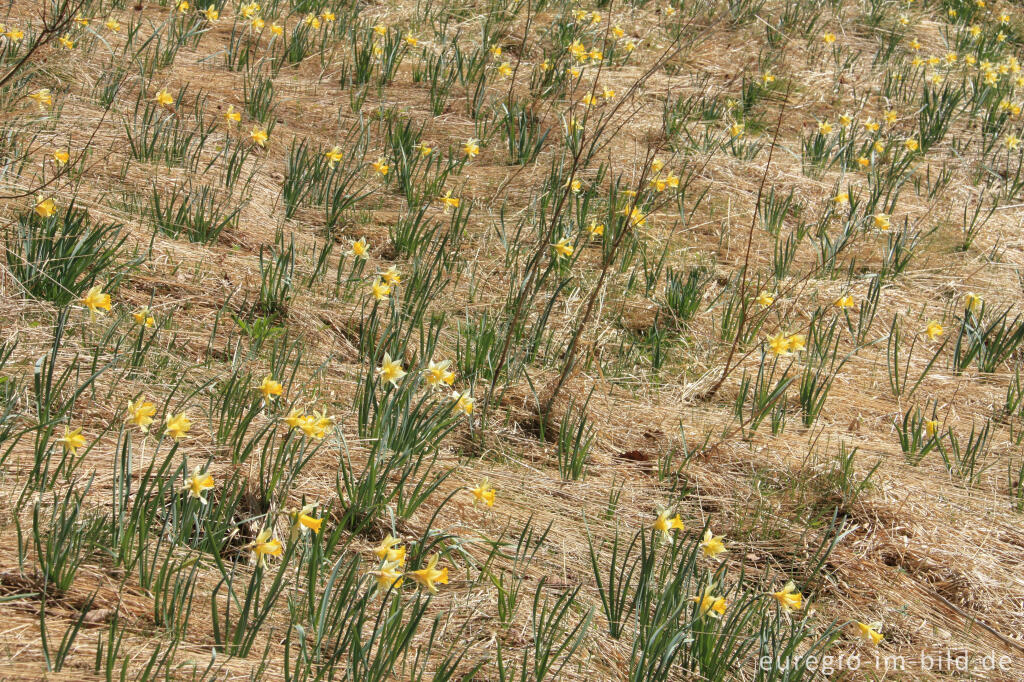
x: 45, y: 208
x: 635, y: 216
x: 392, y: 276
x: 595, y: 229
x: 389, y: 576
x: 711, y: 544
x: 42, y: 97
x: 448, y: 201
x: 390, y: 370
x: 709, y: 604
x: 824, y: 127
x: 463, y: 403
x: 483, y: 493
x: 140, y: 413
x: 72, y: 440
x: 270, y: 388
x: 471, y: 147
x: 380, y: 166
x: 789, y: 598
x: 931, y: 427
x: 933, y: 330
x: 736, y: 130
x: 113, y: 24
x: 303, y: 521
x: 265, y: 545
x: 764, y: 299
x: 429, y: 577
x: 294, y: 418
x: 144, y: 317
x: 61, y: 157
x: 411, y: 40
x: 334, y: 155
x: 164, y: 99
x: 505, y: 70
x: 869, y: 632
x: 381, y: 290
x: 778, y: 344
x: 232, y: 116
x: 665, y: 523
x: 198, y: 483
x: 562, y: 248
x: 390, y: 550
x: 881, y: 221
x: 66, y: 41
x: 844, y: 302
x: 359, y: 248
x: 259, y: 136
x: 972, y: 302
x: 177, y: 426
x: 437, y: 374
x: 211, y: 14
x: 95, y: 300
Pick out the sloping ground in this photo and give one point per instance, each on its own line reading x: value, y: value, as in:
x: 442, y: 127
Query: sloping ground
x: 711, y: 260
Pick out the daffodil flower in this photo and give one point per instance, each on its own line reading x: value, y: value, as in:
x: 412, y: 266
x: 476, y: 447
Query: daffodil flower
x: 164, y: 99
x: 789, y: 598
x: 844, y: 302
x: 390, y: 370
x: 933, y: 330
x: 359, y: 248
x: 198, y: 483
x: 144, y: 317
x: 665, y: 523
x: 95, y: 300
x: 303, y: 522
x: 471, y: 147
x: 463, y: 403
x: 232, y: 116
x: 72, y: 440
x: 389, y: 575
x: 265, y: 545
x: 140, y: 413
x: 177, y: 426
x: 869, y: 632
x: 483, y: 492
x: 390, y: 550
x: 562, y: 248
x: 381, y: 290
x: 334, y: 155
x: 45, y: 208
x: 270, y: 388
x: 711, y: 544
x: 259, y: 136
x: 429, y: 577
x: 708, y: 603
x: 448, y: 201
x: 437, y: 374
